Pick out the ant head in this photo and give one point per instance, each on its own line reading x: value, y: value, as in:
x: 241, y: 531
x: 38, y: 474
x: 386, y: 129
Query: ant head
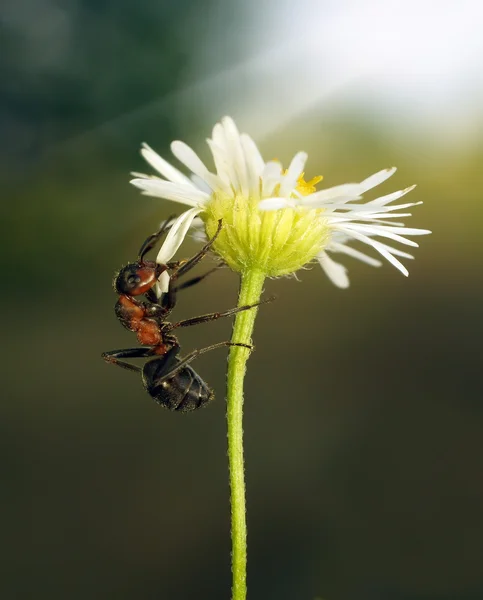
x: 136, y: 279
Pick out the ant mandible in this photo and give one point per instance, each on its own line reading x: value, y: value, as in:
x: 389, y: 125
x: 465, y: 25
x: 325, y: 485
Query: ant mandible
x: 168, y: 379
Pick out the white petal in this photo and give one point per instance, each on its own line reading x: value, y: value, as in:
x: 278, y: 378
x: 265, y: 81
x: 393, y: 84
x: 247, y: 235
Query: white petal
x: 354, y: 217
x: 383, y: 200
x: 190, y: 159
x: 176, y: 235
x: 382, y: 249
x: 336, y: 272
x: 337, y: 247
x: 377, y: 217
x: 198, y: 232
x: 236, y: 154
x: 223, y: 168
x: 199, y: 235
x: 171, y: 191
x: 409, y: 230
x: 396, y: 251
x: 277, y: 203
x: 200, y: 184
x: 370, y: 208
x: 338, y: 193
x: 162, y: 285
x: 388, y: 256
x: 272, y: 174
x: 389, y: 231
x: 224, y: 161
x: 218, y: 136
x: 138, y: 175
x: 289, y: 181
x: 343, y: 238
x: 197, y: 223
x: 379, y: 230
x: 254, y: 162
x: 251, y: 149
x: 376, y: 179
x: 163, y: 167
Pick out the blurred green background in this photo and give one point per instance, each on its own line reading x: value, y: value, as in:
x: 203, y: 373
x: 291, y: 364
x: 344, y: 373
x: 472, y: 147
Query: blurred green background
x: 364, y: 408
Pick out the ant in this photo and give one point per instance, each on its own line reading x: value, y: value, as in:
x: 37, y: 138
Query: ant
x: 169, y: 380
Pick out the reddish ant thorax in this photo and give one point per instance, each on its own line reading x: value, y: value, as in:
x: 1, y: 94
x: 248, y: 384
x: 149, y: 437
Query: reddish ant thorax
x: 136, y: 279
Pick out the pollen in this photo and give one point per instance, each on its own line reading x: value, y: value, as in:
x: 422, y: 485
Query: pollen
x: 307, y: 187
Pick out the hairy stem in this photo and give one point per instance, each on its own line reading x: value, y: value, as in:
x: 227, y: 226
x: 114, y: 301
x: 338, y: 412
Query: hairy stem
x: 250, y: 291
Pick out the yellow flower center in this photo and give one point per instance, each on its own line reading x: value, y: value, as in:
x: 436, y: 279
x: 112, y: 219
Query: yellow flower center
x: 274, y: 242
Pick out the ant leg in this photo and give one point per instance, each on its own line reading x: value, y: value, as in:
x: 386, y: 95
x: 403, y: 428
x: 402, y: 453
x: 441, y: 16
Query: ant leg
x: 168, y: 301
x: 151, y: 241
x: 217, y: 315
x: 196, y: 280
x: 151, y: 294
x: 165, y: 302
x: 192, y: 355
x: 175, y: 264
x: 187, y: 266
x: 172, y: 266
x: 179, y: 268
x: 113, y: 356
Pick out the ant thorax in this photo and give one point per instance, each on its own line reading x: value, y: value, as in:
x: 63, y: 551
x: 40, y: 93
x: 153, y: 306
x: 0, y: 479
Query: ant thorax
x: 129, y: 312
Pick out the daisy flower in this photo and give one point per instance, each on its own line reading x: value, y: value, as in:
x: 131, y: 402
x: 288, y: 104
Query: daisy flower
x: 274, y: 221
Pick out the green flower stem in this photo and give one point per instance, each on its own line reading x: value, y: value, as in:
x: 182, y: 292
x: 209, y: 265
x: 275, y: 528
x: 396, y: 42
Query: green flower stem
x: 250, y: 292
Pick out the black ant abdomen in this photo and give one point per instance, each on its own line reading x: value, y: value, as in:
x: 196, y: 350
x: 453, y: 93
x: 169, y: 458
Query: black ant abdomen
x: 183, y: 392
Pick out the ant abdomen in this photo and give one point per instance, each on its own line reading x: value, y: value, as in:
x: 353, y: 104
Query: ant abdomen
x: 183, y: 392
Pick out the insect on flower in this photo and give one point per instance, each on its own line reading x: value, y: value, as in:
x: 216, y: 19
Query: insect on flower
x: 167, y: 378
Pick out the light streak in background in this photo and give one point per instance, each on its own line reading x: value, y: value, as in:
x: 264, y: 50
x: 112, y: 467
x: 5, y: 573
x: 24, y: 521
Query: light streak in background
x: 417, y: 61
x: 423, y: 58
